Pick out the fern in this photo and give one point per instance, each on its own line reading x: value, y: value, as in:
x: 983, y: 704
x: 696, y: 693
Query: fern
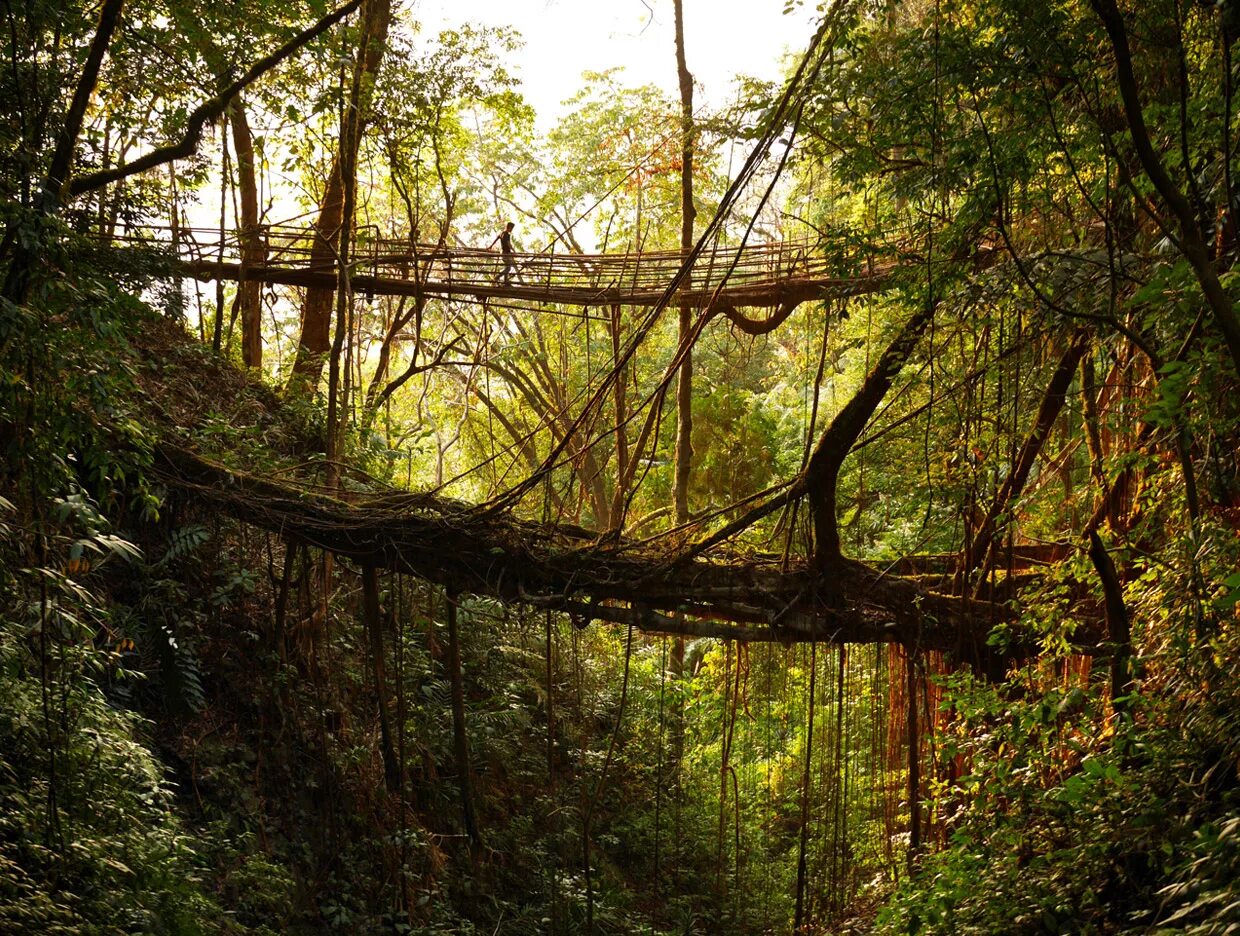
x: 438, y: 692
x: 183, y: 542
x: 179, y: 671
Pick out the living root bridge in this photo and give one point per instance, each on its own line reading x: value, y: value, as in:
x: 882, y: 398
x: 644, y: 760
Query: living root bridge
x: 568, y: 569
x: 776, y: 294
x: 775, y: 275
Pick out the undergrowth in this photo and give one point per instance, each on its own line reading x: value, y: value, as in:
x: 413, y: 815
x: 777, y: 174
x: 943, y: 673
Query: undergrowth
x: 1062, y: 815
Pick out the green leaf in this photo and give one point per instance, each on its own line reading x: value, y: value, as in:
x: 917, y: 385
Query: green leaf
x: 1232, y: 598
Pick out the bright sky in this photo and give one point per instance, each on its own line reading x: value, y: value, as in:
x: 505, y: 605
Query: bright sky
x: 563, y: 38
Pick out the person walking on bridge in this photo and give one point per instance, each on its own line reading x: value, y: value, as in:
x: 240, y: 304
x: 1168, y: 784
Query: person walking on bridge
x: 504, y: 239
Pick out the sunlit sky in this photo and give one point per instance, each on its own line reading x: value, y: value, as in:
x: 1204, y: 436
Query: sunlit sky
x: 563, y: 38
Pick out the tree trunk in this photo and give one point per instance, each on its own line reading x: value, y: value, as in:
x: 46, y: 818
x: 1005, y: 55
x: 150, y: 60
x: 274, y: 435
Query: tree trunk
x: 684, y: 380
x: 460, y: 741
x: 253, y: 251
x: 684, y: 383
x: 314, y: 342
x: 1090, y: 422
x: 17, y: 282
x: 66, y: 143
x: 1118, y: 631
x: 374, y: 630
x: 822, y: 472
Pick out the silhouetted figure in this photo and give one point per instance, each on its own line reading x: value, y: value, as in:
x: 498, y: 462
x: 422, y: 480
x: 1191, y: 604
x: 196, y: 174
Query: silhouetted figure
x: 504, y: 239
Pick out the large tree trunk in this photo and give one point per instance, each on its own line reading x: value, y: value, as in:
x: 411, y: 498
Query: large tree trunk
x: 315, y: 340
x: 684, y: 393
x: 316, y: 308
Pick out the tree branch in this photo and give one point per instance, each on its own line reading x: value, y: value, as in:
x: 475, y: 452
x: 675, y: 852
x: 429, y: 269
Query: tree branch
x: 414, y: 369
x: 982, y: 554
x: 822, y: 472
x: 755, y: 327
x: 1193, y: 243
x: 209, y: 110
x: 62, y: 158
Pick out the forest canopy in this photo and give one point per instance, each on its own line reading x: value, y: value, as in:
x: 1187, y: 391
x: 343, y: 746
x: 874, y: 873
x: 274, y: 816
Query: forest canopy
x: 815, y: 512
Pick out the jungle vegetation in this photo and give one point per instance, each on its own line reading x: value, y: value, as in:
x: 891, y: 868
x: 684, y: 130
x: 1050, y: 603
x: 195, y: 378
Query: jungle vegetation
x: 900, y: 603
